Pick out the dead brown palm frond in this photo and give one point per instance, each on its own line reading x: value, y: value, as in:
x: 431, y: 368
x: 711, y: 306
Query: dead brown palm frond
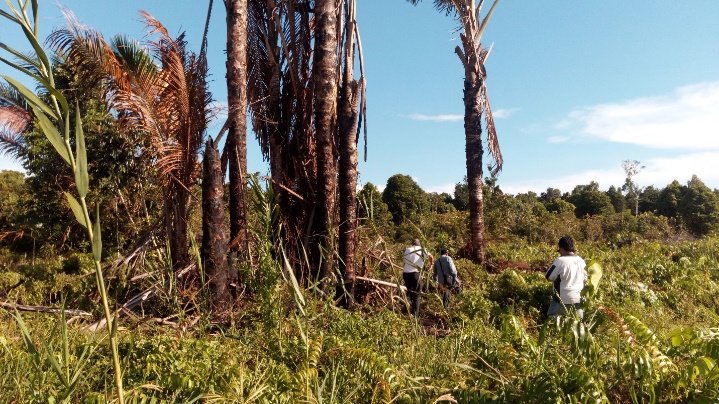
x: 12, y: 143
x: 492, y: 139
x: 14, y: 121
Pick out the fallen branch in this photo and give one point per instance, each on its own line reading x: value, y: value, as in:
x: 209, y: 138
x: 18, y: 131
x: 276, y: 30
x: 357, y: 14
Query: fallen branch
x: 383, y: 283
x: 137, y: 299
x: 44, y: 309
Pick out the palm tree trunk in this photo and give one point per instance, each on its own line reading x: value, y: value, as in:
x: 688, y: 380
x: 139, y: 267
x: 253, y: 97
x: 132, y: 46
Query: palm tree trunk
x: 474, y: 152
x: 349, y: 99
x: 176, y: 224
x: 237, y: 136
x: 325, y: 109
x: 214, y: 241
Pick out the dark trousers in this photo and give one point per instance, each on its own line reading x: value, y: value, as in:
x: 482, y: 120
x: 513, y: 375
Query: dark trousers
x: 445, y: 297
x: 413, y: 283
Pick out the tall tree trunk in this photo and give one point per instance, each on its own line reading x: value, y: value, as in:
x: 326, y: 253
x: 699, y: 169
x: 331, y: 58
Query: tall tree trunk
x: 176, y: 224
x: 214, y: 241
x: 237, y: 136
x: 349, y: 99
x: 474, y: 152
x: 325, y: 75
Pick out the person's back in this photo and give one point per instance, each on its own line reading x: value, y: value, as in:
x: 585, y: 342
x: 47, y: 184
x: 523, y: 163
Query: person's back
x: 570, y: 277
x: 413, y: 259
x: 445, y: 273
x: 414, y: 256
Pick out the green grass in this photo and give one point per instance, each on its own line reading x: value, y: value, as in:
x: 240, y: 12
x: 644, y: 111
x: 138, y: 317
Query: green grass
x: 650, y: 335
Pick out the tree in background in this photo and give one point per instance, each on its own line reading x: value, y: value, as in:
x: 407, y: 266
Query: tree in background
x: 589, y: 200
x: 404, y: 198
x: 371, y: 205
x: 669, y: 199
x: 699, y: 208
x: 617, y: 199
x: 476, y: 106
x: 461, y: 195
x: 13, y: 208
x: 648, y: 199
x: 632, y: 168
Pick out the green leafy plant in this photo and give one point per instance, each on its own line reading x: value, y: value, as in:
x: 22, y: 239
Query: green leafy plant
x: 58, y: 110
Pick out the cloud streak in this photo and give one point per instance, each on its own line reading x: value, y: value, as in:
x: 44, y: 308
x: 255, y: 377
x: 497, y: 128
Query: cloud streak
x: 498, y: 114
x: 436, y: 118
x: 685, y: 119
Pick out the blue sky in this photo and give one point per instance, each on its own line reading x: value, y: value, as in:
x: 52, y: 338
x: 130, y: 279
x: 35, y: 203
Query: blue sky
x: 575, y: 87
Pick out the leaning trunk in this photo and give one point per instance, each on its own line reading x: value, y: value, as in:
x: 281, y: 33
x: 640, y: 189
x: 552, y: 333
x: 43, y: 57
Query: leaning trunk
x: 237, y: 136
x: 325, y: 107
x: 214, y: 241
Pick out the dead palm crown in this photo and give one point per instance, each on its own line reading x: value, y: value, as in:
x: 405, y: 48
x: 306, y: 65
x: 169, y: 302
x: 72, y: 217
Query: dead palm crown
x: 159, y: 89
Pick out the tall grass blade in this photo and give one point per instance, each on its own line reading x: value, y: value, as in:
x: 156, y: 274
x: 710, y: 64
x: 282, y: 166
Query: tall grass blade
x: 76, y: 209
x: 35, y: 101
x: 97, y: 236
x: 81, y: 177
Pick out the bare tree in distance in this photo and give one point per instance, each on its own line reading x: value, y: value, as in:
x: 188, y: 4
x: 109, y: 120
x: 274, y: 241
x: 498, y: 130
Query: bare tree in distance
x: 632, y: 168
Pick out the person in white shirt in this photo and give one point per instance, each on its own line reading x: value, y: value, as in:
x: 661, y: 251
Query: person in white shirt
x: 414, y: 258
x: 569, y: 275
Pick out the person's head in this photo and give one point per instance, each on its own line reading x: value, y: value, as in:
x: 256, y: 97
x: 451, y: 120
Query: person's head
x: 443, y: 251
x: 416, y: 242
x: 566, y: 243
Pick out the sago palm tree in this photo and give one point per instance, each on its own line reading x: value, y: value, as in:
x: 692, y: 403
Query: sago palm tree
x: 476, y: 105
x: 236, y: 145
x: 160, y: 90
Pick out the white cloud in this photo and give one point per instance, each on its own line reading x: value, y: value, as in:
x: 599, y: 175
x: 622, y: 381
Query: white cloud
x: 687, y: 118
x: 503, y: 113
x: 498, y: 114
x: 436, y: 118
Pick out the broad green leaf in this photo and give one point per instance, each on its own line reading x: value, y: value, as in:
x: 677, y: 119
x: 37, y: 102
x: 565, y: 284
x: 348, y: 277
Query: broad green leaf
x: 31, y: 97
x: 18, y: 55
x: 594, y: 270
x: 97, y: 236
x: 37, y: 78
x: 76, y: 209
x: 81, y: 176
x: 52, y: 134
x: 704, y: 365
x: 32, y: 38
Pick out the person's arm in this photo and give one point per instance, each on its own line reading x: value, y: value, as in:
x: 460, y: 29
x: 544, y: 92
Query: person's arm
x: 452, y: 267
x: 552, y: 272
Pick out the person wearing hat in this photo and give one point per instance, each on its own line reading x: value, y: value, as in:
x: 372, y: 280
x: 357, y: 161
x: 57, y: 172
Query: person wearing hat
x: 414, y: 258
x: 569, y: 275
